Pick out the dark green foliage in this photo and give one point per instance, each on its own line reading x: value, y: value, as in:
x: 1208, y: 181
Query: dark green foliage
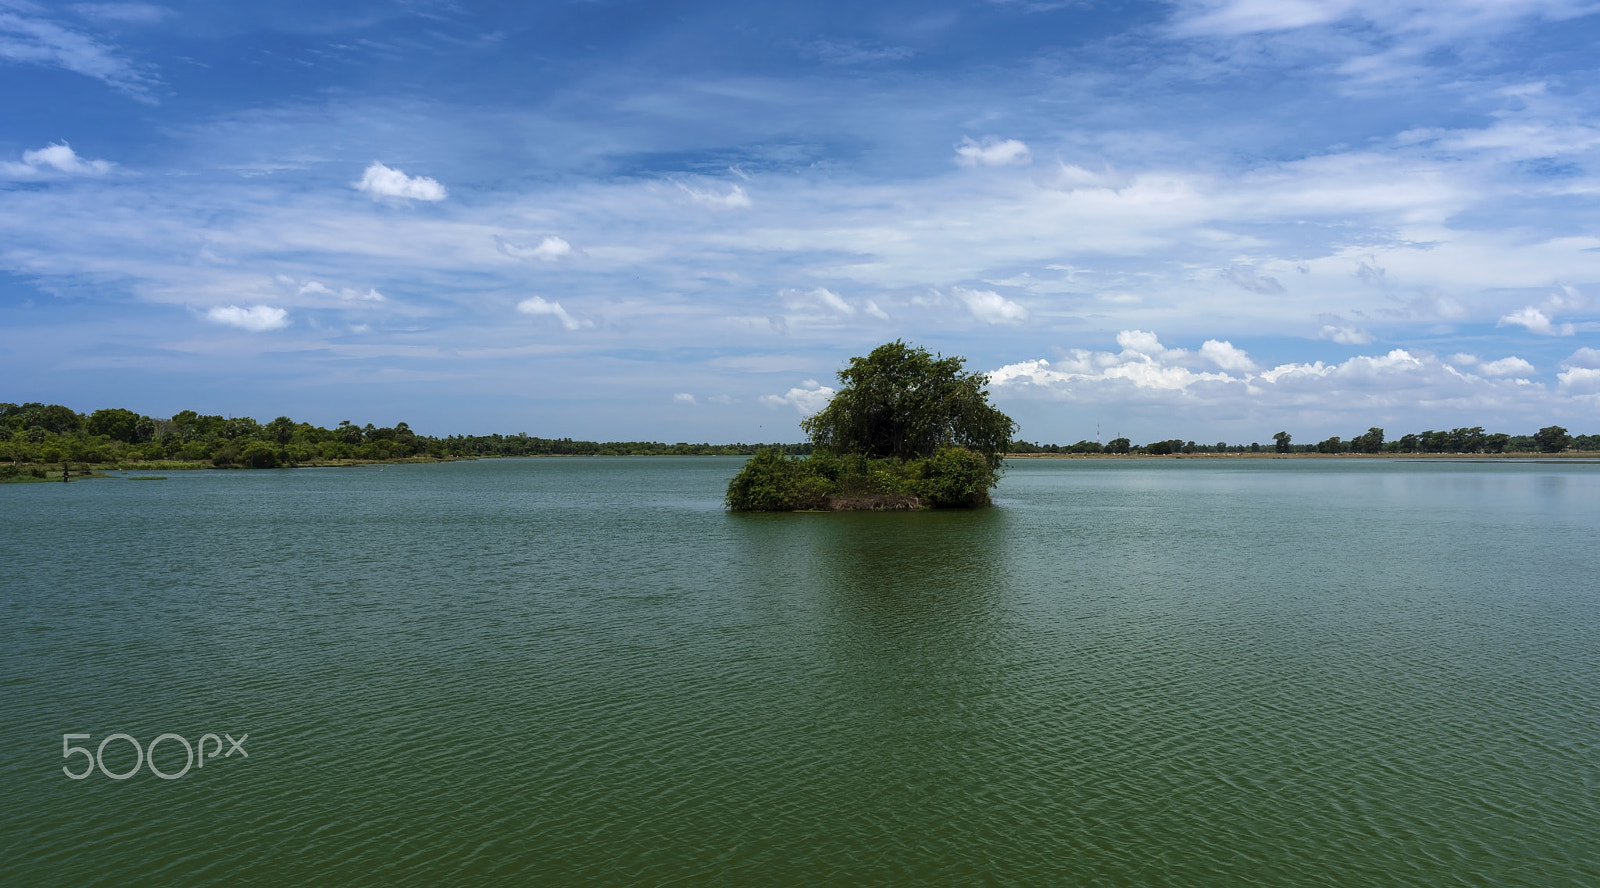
x: 280, y: 430
x: 1119, y: 445
x: 955, y: 477
x: 1282, y: 439
x: 1552, y: 439
x: 772, y: 482
x: 115, y: 423
x: 905, y: 403
x: 259, y: 455
x: 907, y: 429
x: 1371, y: 442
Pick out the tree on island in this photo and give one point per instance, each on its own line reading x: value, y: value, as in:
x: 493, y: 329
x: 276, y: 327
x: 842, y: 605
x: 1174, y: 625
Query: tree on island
x: 906, y: 430
x: 901, y: 402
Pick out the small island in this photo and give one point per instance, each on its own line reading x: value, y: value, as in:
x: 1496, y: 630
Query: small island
x: 907, y: 430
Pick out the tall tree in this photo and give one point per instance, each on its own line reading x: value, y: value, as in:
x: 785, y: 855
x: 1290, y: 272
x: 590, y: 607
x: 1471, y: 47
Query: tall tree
x: 903, y: 402
x: 1552, y: 439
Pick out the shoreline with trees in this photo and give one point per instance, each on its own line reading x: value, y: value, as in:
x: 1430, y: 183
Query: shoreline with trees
x: 37, y: 440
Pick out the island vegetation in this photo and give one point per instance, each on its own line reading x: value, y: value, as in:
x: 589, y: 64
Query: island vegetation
x: 899, y: 468
x: 906, y: 430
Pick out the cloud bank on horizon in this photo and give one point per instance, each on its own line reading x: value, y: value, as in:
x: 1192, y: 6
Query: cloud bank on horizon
x: 1206, y: 219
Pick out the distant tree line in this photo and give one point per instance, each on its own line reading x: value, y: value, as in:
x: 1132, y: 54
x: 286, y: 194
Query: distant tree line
x: 1551, y: 439
x: 51, y: 434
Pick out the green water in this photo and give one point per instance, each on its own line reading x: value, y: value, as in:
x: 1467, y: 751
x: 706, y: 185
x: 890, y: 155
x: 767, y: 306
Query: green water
x: 584, y: 672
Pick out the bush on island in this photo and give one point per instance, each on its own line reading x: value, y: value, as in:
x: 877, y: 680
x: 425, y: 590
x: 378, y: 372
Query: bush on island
x: 906, y: 430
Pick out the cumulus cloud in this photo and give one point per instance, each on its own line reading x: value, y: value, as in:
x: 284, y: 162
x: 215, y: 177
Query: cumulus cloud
x: 1541, y: 318
x: 1146, y: 372
x: 1344, y: 335
x: 1512, y: 366
x: 536, y: 305
x: 549, y: 249
x: 1580, y: 380
x: 683, y: 398
x: 1226, y: 356
x: 1537, y: 322
x: 1583, y: 357
x: 346, y: 294
x: 1140, y: 342
x: 808, y: 398
x: 1247, y: 279
x: 992, y: 152
x: 990, y: 307
x: 382, y: 182
x: 53, y: 160
x: 256, y: 318
x: 736, y: 198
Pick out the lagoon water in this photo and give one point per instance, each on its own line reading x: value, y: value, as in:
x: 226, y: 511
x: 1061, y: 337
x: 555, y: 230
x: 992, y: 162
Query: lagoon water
x: 584, y: 672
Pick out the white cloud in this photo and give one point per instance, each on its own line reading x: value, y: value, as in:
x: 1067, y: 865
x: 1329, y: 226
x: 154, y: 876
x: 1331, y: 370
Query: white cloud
x: 1226, y: 356
x: 1070, y: 177
x: 683, y: 398
x: 1146, y: 374
x: 990, y: 307
x: 123, y: 13
x: 382, y: 182
x: 1344, y: 335
x: 347, y: 294
x: 1140, y: 342
x: 1512, y: 366
x: 536, y: 305
x: 808, y: 398
x: 256, y: 318
x: 32, y: 40
x: 1409, y: 17
x: 1580, y: 379
x: 992, y: 152
x: 873, y: 310
x: 821, y: 298
x: 549, y: 249
x: 1537, y: 322
x: 1584, y: 357
x: 736, y: 198
x: 52, y: 160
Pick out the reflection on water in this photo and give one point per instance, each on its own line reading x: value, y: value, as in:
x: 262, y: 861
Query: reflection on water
x: 578, y: 672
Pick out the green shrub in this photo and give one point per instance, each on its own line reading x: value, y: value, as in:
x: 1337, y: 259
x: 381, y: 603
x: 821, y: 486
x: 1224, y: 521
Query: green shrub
x: 772, y: 482
x: 259, y: 455
x: 955, y: 478
x: 225, y: 455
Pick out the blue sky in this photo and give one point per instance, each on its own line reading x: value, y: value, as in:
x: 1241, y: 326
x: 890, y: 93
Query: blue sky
x: 1207, y: 219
